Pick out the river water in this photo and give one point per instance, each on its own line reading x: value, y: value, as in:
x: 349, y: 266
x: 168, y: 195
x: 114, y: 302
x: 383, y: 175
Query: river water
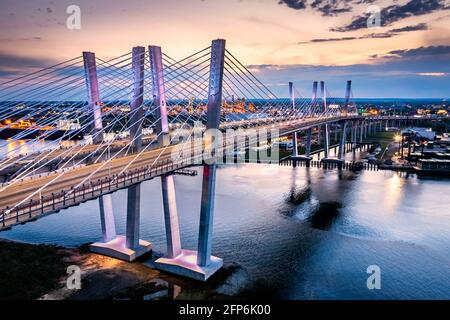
x: 298, y: 233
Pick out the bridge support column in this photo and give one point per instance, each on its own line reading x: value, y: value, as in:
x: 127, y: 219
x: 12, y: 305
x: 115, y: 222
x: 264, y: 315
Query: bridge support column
x: 353, y: 135
x: 308, y: 142
x: 204, y: 258
x: 295, y: 156
x: 129, y: 247
x: 176, y: 259
x: 206, y: 264
x: 171, y: 217
x: 107, y: 218
x: 319, y: 135
x: 361, y: 132
x: 326, y: 145
x: 294, y: 144
x: 342, y: 141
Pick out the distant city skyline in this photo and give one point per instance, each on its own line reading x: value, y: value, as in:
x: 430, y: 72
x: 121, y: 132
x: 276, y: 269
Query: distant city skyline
x: 280, y: 41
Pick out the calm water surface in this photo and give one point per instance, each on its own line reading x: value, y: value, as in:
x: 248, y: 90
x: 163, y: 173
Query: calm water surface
x: 298, y: 233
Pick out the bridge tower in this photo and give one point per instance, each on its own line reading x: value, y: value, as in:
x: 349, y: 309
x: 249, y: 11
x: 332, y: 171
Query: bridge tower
x: 180, y: 261
x: 291, y: 94
x: 294, y: 134
x: 90, y: 70
x: 314, y: 92
x: 326, y: 145
x: 309, y: 132
x: 173, y: 261
x: 128, y: 247
x: 343, y: 138
x: 347, y: 95
x: 93, y: 93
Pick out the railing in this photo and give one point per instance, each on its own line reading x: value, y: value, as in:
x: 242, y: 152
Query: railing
x: 347, y: 165
x: 88, y: 191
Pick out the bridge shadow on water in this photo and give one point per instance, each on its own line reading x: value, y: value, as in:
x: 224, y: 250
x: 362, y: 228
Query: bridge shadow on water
x: 318, y: 213
x: 325, y: 215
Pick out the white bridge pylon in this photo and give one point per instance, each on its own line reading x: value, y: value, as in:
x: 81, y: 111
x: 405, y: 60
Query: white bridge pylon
x: 199, y: 265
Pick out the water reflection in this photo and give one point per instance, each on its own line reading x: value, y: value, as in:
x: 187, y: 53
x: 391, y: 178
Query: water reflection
x: 13, y: 148
x: 296, y: 233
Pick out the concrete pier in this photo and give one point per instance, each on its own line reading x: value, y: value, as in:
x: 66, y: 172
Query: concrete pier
x: 200, y: 264
x: 326, y: 145
x: 306, y: 157
x: 204, y: 258
x: 171, y: 217
x: 107, y: 218
x: 308, y: 142
x: 128, y: 247
x: 342, y: 141
x: 294, y: 144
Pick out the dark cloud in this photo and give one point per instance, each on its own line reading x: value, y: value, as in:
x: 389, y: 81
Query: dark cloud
x: 326, y: 7
x: 11, y: 64
x: 422, y: 52
x: 20, y: 39
x: 331, y: 7
x: 389, y: 34
x: 395, y: 13
x: 400, y: 75
x: 294, y: 4
x: 417, y: 27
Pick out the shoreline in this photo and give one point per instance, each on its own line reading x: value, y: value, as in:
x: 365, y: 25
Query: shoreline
x: 101, y: 277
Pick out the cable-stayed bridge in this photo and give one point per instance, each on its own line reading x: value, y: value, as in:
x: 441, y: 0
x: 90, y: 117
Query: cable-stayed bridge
x: 112, y: 124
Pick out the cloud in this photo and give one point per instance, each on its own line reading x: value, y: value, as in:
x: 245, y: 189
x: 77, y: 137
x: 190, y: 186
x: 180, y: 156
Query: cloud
x: 395, y: 13
x: 389, y: 34
x: 331, y: 8
x: 418, y: 72
x: 326, y: 7
x: 421, y: 52
x: 432, y: 74
x: 11, y: 64
x: 417, y: 27
x: 20, y: 39
x: 294, y: 4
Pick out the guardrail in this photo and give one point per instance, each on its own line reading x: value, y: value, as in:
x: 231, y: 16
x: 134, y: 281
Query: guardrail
x: 347, y: 165
x: 67, y: 198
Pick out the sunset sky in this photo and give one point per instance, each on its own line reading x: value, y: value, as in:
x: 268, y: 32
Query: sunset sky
x: 281, y: 41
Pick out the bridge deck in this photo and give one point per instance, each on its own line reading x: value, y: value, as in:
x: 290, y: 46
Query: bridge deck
x: 58, y: 190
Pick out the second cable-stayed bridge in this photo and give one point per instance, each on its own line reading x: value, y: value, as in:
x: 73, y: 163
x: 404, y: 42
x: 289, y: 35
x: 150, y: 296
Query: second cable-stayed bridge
x: 132, y: 111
